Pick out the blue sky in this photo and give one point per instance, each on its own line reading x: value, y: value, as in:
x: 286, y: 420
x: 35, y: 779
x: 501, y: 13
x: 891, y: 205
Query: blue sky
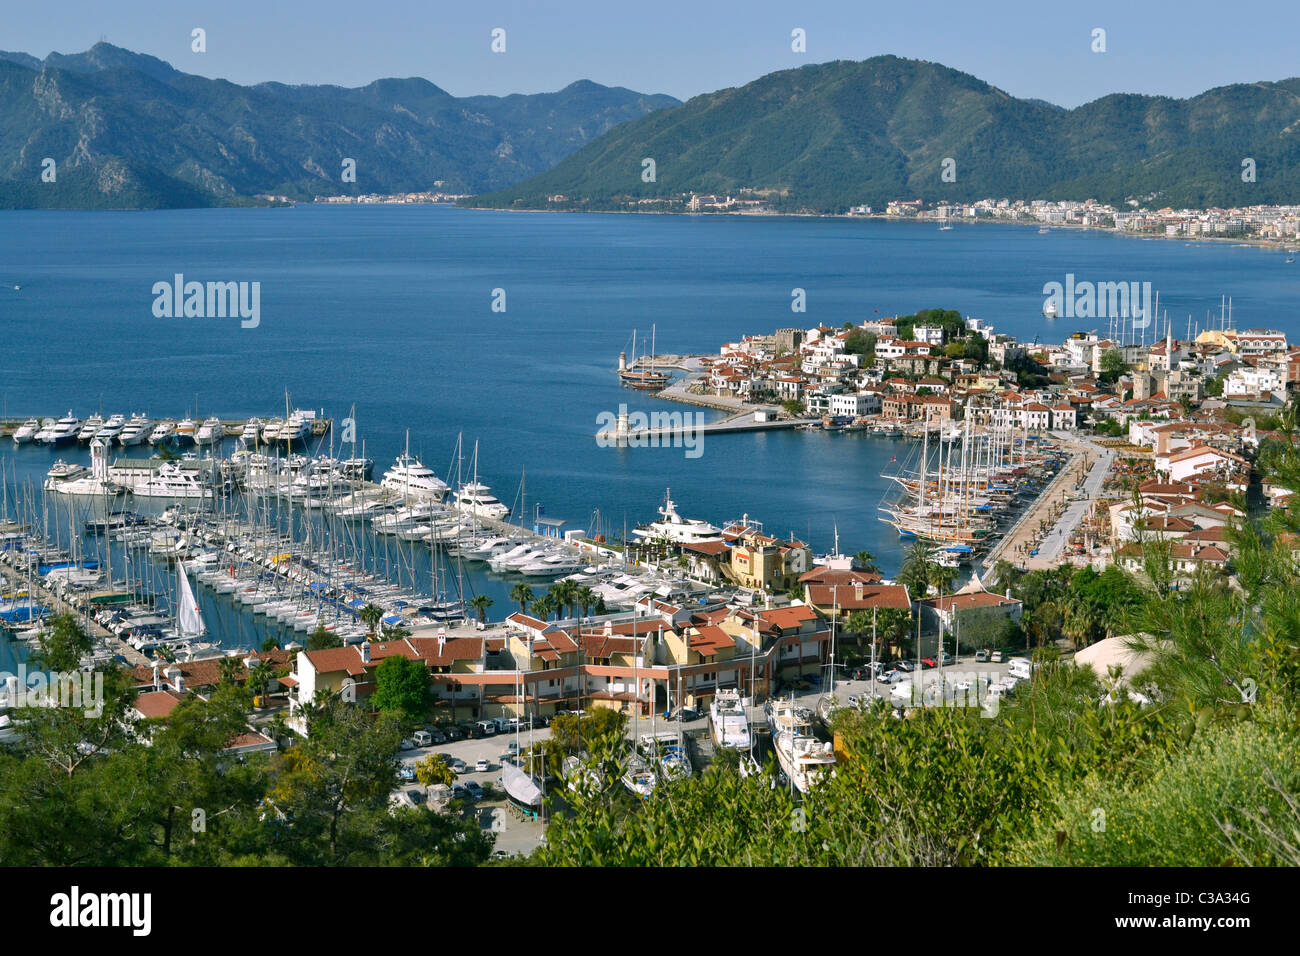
x: 1030, y: 49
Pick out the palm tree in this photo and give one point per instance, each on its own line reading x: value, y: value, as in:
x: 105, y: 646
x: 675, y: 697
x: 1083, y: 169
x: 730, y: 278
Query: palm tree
x: 523, y: 594
x: 481, y: 603
x: 543, y: 606
x: 586, y: 598
x: 859, y: 623
x: 915, y: 573
x: 1004, y: 576
x: 259, y: 675
x: 370, y: 616
x: 866, y: 561
x: 564, y: 593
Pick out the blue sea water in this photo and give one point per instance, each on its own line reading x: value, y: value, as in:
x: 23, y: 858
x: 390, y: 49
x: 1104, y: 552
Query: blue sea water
x: 389, y: 309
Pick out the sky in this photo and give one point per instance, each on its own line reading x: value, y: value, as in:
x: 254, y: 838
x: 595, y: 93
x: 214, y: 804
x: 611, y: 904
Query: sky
x: 1040, y: 49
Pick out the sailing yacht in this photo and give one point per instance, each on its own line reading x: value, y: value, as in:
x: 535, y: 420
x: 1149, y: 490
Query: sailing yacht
x: 189, y: 619
x: 645, y: 379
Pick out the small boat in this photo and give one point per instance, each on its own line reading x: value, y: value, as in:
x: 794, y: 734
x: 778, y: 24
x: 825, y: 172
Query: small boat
x: 728, y: 721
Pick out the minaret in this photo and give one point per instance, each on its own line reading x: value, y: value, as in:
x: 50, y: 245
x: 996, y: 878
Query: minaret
x: 1169, y: 348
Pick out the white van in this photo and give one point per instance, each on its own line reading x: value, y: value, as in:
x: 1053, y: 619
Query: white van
x: 422, y: 738
x: 1021, y: 668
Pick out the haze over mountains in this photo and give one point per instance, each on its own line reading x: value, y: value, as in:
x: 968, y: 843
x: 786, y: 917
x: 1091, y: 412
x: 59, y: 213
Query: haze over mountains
x: 126, y: 130
x: 825, y: 137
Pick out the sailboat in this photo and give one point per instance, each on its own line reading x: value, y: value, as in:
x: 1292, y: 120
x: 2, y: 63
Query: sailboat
x: 649, y: 379
x: 189, y: 619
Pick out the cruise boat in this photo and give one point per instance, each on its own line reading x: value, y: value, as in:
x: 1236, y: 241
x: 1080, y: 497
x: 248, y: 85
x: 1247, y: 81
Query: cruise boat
x: 412, y: 478
x: 185, y: 429
x: 727, y: 720
x: 162, y: 433
x: 673, y: 527
x: 804, y: 758
x: 477, y: 499
x: 26, y: 432
x: 136, y: 431
x: 211, y: 432
x: 89, y: 427
x: 62, y: 432
x: 109, y: 431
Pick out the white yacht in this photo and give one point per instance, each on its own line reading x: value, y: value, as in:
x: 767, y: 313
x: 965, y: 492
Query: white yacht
x: 62, y: 432
x: 136, y: 431
x: 210, y: 432
x: 296, y: 428
x: 252, y: 433
x: 172, y: 481
x: 185, y: 429
x: 62, y: 471
x: 477, y: 499
x: 727, y: 720
x: 89, y: 427
x: 111, y: 428
x: 551, y: 565
x: 412, y: 478
x: 804, y: 758
x: 162, y: 433
x: 675, y: 528
x: 515, y: 557
x: 26, y: 432
x: 490, y: 548
x: 418, y: 515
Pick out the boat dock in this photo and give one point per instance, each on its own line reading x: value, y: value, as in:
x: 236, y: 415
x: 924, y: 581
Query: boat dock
x: 38, y: 591
x: 234, y: 426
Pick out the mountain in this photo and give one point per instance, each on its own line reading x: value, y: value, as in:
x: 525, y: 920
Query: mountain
x: 825, y: 137
x: 127, y: 130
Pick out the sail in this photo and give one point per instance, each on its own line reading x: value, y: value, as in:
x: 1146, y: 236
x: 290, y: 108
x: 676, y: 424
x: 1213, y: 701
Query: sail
x: 189, y: 620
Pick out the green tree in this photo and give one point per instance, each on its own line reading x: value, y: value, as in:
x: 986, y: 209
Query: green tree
x: 402, y: 688
x: 523, y: 595
x: 370, y: 616
x: 432, y: 770
x: 480, y: 603
x: 320, y: 639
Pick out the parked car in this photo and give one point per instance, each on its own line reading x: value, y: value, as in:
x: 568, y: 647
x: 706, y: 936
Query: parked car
x: 453, y: 732
x: 474, y: 790
x: 512, y: 747
x: 457, y: 765
x: 982, y: 656
x: 508, y: 758
x: 422, y: 738
x: 408, y: 744
x: 487, y: 728
x: 997, y: 657
x: 946, y: 659
x: 406, y: 772
x: 928, y: 662
x: 458, y: 792
x: 905, y: 666
x: 437, y: 737
x: 890, y: 676
x: 482, y: 766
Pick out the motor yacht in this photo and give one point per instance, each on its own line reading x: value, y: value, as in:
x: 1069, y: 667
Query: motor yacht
x: 135, y: 431
x: 477, y: 499
x: 89, y: 427
x: 26, y: 432
x: 673, y: 527
x: 62, y: 432
x: 162, y: 433
x: 728, y: 722
x: 413, y: 479
x: 109, y: 431
x: 185, y: 429
x: 211, y: 432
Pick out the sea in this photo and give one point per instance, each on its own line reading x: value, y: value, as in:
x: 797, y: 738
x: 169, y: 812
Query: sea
x: 457, y: 330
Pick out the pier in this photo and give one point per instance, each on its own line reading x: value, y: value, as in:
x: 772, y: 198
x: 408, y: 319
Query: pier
x: 747, y: 421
